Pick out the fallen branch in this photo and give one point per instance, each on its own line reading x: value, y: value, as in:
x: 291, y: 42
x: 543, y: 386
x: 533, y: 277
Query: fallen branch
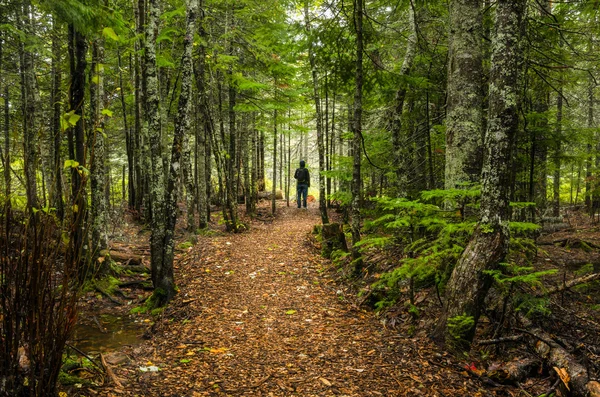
x: 108, y: 296
x: 557, y: 356
x: 82, y: 353
x: 512, y: 338
x: 577, y: 281
x: 110, y: 372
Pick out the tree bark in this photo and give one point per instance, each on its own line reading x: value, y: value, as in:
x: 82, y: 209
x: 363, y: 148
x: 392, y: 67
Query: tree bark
x: 162, y: 277
x: 469, y: 283
x: 29, y: 106
x: 99, y: 219
x: 274, y: 189
x: 357, y: 138
x: 56, y: 193
x: 318, y: 115
x: 400, y: 157
x: 464, y: 115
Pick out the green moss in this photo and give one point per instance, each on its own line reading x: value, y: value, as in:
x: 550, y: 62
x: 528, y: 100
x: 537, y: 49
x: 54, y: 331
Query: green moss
x: 184, y: 246
x: 67, y: 379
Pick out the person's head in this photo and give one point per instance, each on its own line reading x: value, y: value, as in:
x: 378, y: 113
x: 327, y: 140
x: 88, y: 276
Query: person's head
x: 302, y: 163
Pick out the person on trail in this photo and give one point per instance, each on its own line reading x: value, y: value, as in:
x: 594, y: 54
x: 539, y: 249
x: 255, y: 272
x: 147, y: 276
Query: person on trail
x: 302, y: 177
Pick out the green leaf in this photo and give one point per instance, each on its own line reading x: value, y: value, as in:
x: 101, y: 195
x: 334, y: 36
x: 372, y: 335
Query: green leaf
x: 107, y: 112
x: 290, y: 312
x: 71, y: 164
x: 185, y: 360
x: 96, y: 79
x: 110, y: 33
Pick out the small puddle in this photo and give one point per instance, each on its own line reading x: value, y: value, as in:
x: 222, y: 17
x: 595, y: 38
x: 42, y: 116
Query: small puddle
x: 117, y: 331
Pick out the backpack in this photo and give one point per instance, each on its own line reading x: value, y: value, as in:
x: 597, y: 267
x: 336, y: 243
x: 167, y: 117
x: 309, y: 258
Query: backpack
x: 301, y: 175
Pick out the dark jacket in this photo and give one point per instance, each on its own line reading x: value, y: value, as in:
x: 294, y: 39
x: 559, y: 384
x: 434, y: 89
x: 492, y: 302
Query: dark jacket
x: 302, y: 176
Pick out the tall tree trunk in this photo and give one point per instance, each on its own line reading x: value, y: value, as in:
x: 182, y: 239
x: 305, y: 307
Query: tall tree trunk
x: 319, y: 117
x: 29, y: 106
x: 78, y: 64
x: 274, y: 189
x: 357, y: 139
x: 162, y: 276
x: 469, y: 282
x: 182, y: 127
x: 129, y: 142
x: 204, y: 134
x: 464, y: 118
x: 7, y: 178
x: 56, y: 195
x: 557, y: 154
x: 400, y: 157
x: 588, y: 161
x: 99, y: 219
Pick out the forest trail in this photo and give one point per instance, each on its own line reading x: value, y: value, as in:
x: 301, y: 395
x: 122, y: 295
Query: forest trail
x: 259, y: 314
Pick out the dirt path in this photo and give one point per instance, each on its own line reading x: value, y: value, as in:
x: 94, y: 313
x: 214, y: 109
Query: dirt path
x: 258, y: 315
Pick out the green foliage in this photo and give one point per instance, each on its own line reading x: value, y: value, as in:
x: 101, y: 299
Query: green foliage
x: 459, y: 327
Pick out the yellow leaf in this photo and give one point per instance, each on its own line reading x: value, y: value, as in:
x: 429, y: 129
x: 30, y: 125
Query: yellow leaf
x: 564, y: 376
x: 218, y: 350
x: 182, y: 346
x: 190, y: 353
x: 62, y: 394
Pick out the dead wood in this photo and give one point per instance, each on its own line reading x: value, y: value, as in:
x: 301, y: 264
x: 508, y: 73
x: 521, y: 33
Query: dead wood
x: 577, y: 281
x: 110, y: 372
x: 569, y: 242
x: 512, y: 338
x: 557, y: 356
x: 513, y: 371
x: 134, y: 268
x: 124, y: 257
x: 109, y: 296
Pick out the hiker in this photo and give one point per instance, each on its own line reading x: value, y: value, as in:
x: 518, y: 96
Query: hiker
x: 302, y: 183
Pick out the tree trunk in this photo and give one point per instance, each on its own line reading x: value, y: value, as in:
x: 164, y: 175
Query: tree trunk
x: 56, y: 193
x: 274, y: 189
x: 319, y: 117
x: 400, y: 157
x: 29, y: 106
x: 464, y: 118
x: 182, y: 127
x: 357, y: 139
x: 78, y: 64
x: 557, y: 154
x: 129, y: 147
x: 162, y: 276
x: 469, y: 283
x: 99, y: 219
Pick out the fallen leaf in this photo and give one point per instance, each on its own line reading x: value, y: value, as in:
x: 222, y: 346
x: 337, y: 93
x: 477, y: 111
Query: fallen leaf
x: 564, y: 376
x: 325, y: 382
x: 290, y: 312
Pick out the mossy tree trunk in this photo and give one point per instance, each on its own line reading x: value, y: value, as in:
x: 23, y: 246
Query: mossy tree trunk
x: 99, y: 218
x: 464, y: 135
x: 469, y: 283
x: 357, y: 138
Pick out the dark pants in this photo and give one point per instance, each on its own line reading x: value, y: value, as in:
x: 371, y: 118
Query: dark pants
x: 301, y: 193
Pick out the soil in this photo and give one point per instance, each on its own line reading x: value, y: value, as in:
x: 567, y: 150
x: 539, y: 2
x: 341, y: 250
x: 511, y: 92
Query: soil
x: 261, y: 313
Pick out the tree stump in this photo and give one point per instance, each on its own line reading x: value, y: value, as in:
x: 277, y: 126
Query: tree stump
x: 333, y: 239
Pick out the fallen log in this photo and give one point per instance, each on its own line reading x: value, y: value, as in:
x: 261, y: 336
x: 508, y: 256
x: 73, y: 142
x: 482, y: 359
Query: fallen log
x: 570, y: 242
x: 133, y: 268
x: 123, y: 257
x: 513, y: 371
x: 576, y: 281
x: 578, y: 379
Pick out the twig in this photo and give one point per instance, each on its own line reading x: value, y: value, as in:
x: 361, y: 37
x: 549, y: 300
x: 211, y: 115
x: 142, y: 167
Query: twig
x: 513, y: 338
x: 84, y: 355
x: 546, y: 341
x: 110, y: 372
x: 108, y: 296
